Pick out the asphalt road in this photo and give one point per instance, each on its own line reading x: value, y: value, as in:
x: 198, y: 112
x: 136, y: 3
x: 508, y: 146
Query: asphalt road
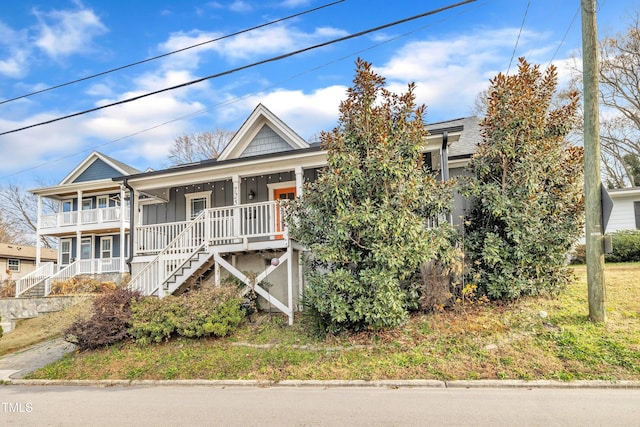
x: 314, y: 406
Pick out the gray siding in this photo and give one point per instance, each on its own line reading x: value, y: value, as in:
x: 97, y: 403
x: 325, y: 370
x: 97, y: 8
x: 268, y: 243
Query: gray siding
x: 222, y: 195
x: 97, y: 170
x: 460, y: 204
x: 266, y: 141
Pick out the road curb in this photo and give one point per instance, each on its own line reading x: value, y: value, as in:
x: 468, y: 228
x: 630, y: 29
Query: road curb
x: 391, y: 384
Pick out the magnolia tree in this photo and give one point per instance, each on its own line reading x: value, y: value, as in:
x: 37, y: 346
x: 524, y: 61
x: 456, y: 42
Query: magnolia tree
x: 526, y: 188
x: 364, y: 219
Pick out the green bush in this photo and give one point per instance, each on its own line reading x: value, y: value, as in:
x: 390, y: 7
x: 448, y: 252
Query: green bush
x: 626, y: 246
x: 579, y: 254
x: 109, y: 322
x: 201, y: 313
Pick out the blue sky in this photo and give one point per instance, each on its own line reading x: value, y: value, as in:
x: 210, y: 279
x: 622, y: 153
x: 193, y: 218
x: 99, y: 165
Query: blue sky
x: 451, y: 56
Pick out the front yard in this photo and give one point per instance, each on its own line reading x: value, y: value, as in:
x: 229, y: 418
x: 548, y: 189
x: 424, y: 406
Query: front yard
x: 537, y: 338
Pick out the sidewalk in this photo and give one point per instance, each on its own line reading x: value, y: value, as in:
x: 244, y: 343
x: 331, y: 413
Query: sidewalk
x: 21, y: 363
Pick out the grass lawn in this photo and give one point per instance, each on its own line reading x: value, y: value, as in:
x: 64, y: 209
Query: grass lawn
x: 43, y: 328
x: 538, y: 338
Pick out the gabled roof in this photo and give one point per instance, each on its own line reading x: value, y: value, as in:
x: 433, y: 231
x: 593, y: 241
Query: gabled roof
x: 262, y: 133
x: 110, y: 168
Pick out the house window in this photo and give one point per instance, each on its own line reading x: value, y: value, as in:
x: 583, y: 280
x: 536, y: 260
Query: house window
x: 85, y: 248
x: 87, y: 204
x: 65, y: 252
x: 103, y: 202
x: 106, y: 244
x: 636, y: 210
x: 13, y: 265
x: 196, y: 203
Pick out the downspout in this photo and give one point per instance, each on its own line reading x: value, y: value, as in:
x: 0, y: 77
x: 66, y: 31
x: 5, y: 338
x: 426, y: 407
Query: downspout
x: 444, y: 165
x: 444, y: 158
x: 132, y: 225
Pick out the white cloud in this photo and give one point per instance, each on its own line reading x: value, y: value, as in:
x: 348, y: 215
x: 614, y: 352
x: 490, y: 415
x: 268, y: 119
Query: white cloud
x: 306, y: 113
x: 257, y: 43
x: 294, y: 3
x: 15, y: 44
x: 449, y: 73
x: 64, y: 32
x: 240, y: 6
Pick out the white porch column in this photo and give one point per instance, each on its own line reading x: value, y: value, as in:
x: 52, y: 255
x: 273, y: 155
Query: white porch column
x: 299, y: 180
x: 236, y: 202
x: 79, y: 208
x: 38, y: 242
x: 78, y: 224
x: 135, y: 221
x: 290, y: 281
x: 123, y: 214
x: 300, y: 279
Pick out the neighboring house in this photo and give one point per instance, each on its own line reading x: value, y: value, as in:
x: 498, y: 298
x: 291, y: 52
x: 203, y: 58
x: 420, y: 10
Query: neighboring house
x: 625, y: 214
x: 17, y: 261
x: 221, y: 218
x: 91, y: 225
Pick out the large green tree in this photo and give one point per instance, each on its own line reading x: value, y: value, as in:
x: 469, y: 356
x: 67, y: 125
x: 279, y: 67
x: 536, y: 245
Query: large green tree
x: 365, y: 218
x: 526, y: 188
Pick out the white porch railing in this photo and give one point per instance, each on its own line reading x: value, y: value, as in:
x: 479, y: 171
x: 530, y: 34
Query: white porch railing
x: 220, y: 225
x: 154, y: 238
x: 83, y: 266
x: 217, y: 226
x: 34, y: 278
x: 90, y: 216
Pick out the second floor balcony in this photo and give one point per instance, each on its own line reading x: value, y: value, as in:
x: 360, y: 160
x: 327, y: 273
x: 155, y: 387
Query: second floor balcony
x: 88, y: 219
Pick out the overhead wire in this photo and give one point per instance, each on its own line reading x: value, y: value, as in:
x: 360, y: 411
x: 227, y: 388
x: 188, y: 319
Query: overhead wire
x: 153, y: 58
x: 575, y: 15
x: 519, y: 33
x: 244, y: 67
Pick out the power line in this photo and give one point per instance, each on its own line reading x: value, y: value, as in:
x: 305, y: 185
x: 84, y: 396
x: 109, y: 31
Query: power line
x: 170, y: 53
x: 244, y: 67
x: 575, y: 15
x: 519, y: 33
x: 237, y: 98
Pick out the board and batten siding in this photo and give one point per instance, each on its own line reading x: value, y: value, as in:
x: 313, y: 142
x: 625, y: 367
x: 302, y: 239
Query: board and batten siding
x: 221, y: 195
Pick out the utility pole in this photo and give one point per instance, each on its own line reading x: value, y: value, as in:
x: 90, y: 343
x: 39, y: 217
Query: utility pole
x: 592, y: 181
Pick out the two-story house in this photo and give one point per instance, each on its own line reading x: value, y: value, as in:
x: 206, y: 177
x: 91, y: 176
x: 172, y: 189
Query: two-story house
x: 214, y: 218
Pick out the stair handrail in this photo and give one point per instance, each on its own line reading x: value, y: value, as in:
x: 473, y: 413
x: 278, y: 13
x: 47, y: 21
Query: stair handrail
x: 65, y: 273
x: 34, y: 278
x: 151, y: 273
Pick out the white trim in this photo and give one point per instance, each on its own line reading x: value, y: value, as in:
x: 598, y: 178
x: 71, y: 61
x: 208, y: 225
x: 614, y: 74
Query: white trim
x: 279, y: 186
x: 62, y: 241
x: 110, y: 240
x: 256, y: 120
x: 104, y: 197
x: 91, y: 242
x: 86, y: 199
x: 199, y: 195
x: 9, y: 266
x: 84, y: 165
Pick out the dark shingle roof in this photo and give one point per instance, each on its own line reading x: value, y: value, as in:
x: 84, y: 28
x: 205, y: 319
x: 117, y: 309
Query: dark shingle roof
x: 125, y: 167
x: 469, y: 139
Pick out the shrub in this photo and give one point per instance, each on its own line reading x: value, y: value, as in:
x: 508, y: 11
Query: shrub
x: 8, y: 288
x: 525, y: 186
x: 209, y: 311
x: 626, y: 246
x: 364, y: 218
x: 579, y: 254
x: 109, y: 322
